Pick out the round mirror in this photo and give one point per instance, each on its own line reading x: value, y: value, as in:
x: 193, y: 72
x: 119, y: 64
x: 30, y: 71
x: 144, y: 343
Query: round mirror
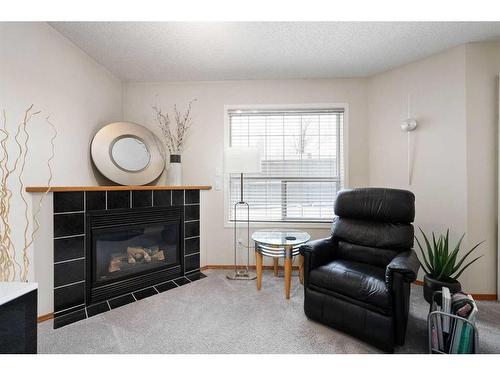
x: 130, y: 153
x: 127, y: 153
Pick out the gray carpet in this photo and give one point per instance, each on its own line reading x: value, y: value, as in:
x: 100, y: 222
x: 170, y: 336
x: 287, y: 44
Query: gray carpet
x: 215, y: 315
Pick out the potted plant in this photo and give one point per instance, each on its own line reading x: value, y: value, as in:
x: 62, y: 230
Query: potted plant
x: 442, y: 267
x: 174, y: 138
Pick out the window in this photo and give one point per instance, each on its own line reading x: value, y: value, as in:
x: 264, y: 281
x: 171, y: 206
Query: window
x: 302, y: 165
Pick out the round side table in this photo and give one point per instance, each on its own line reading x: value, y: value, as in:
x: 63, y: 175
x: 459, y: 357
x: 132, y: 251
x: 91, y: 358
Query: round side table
x: 277, y: 243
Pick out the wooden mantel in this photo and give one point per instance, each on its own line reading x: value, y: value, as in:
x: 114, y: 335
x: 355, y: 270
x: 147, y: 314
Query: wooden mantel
x: 43, y: 189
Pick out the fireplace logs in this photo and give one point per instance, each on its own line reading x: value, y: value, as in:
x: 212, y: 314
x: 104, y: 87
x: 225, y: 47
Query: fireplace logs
x: 137, y: 254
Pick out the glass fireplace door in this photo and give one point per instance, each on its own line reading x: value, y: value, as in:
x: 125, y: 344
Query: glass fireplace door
x: 125, y: 251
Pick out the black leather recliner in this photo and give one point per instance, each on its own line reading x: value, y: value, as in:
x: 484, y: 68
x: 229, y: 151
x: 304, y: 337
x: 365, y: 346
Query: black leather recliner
x: 358, y: 280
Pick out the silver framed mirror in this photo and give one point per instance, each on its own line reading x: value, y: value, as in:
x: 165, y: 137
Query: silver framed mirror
x: 127, y: 153
x: 130, y: 153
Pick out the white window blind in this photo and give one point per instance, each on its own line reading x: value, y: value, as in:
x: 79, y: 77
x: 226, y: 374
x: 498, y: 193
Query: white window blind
x: 302, y: 163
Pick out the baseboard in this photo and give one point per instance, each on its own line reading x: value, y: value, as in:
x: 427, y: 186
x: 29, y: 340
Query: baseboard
x: 231, y: 267
x: 476, y: 296
x: 45, y: 317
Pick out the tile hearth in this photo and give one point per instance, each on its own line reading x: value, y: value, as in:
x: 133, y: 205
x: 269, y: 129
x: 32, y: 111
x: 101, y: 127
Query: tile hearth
x: 114, y: 303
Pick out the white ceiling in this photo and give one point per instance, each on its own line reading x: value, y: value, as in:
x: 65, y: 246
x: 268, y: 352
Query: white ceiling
x: 184, y: 51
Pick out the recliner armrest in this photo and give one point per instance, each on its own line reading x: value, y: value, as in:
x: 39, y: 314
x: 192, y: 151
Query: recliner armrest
x: 319, y: 249
x: 400, y: 272
x: 406, y: 264
x: 316, y: 253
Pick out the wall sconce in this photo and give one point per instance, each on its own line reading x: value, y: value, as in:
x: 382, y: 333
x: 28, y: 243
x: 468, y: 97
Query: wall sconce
x: 408, y: 126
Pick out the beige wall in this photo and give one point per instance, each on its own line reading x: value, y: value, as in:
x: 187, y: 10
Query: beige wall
x: 204, y: 151
x: 39, y: 66
x: 454, y: 151
x: 481, y: 82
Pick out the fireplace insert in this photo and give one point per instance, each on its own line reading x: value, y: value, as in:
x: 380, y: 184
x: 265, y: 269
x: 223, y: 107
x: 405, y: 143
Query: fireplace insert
x: 131, y: 249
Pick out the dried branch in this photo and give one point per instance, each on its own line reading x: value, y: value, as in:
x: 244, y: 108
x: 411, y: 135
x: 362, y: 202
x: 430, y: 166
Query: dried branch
x: 8, y: 260
x: 6, y: 252
x: 11, y: 263
x: 164, y: 124
x: 24, y: 153
x: 36, y: 223
x: 174, y: 141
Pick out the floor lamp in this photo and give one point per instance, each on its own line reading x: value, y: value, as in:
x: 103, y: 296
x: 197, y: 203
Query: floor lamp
x: 241, y: 160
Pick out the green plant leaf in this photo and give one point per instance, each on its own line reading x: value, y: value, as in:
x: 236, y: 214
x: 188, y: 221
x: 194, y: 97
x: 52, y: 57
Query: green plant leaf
x: 427, y: 266
x: 447, y: 268
x: 422, y: 265
x: 448, y: 259
x: 457, y: 267
x: 450, y: 264
x: 429, y: 252
x: 439, y: 254
x: 465, y: 267
x: 436, y: 251
x: 442, y: 254
x: 432, y: 256
x: 457, y: 247
x: 446, y: 242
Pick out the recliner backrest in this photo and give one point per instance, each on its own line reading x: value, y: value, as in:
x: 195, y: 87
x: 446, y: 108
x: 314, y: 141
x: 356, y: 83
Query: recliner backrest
x: 373, y: 224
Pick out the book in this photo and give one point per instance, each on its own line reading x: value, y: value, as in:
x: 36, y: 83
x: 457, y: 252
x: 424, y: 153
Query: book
x: 434, y: 339
x: 434, y: 329
x: 456, y: 336
x: 468, y: 345
x: 462, y: 340
x: 446, y: 308
x: 439, y: 330
x: 465, y: 339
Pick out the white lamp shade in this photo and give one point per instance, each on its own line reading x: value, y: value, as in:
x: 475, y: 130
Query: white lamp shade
x: 242, y: 160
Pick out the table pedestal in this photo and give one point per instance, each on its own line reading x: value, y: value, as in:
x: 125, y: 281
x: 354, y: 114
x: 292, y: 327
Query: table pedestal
x: 258, y: 268
x: 287, y: 266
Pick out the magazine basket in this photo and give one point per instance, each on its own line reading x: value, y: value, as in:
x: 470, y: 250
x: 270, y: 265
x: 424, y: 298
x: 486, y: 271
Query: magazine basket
x: 432, y: 317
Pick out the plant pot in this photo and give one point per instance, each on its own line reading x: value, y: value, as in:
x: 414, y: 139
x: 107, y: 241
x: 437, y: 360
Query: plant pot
x: 432, y: 285
x: 175, y: 170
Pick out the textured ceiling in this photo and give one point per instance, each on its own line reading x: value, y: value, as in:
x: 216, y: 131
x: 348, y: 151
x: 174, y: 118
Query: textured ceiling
x: 184, y: 51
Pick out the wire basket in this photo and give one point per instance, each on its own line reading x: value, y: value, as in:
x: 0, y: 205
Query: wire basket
x: 432, y: 318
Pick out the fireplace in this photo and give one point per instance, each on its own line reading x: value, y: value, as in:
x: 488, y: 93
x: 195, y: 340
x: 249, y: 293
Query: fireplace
x: 93, y: 231
x: 130, y: 249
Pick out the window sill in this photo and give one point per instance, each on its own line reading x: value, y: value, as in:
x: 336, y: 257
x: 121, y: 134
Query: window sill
x: 273, y: 224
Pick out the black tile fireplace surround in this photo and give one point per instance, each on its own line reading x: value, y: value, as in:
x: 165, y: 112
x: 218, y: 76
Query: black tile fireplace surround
x: 162, y: 224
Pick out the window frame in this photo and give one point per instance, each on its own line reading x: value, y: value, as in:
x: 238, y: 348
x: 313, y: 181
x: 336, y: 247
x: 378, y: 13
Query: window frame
x: 308, y: 106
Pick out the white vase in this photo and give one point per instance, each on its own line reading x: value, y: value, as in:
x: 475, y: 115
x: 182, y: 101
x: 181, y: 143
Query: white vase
x: 175, y: 170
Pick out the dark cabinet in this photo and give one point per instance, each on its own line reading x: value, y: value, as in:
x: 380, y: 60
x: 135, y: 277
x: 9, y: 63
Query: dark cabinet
x: 18, y: 320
